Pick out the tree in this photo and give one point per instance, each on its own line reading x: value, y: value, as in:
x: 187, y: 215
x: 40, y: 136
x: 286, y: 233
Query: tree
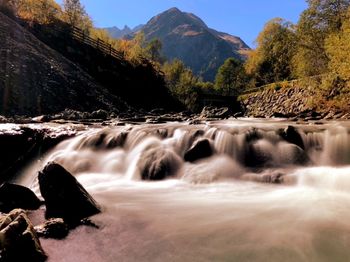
x: 321, y: 18
x: 182, y: 83
x: 75, y: 15
x: 271, y: 60
x: 39, y: 11
x: 153, y: 50
x: 231, y: 77
x: 338, y: 50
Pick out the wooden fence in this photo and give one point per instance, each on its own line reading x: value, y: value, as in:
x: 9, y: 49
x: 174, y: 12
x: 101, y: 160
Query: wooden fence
x: 99, y: 44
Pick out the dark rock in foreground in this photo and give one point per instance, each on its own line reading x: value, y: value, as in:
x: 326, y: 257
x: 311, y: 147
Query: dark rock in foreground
x: 64, y: 196
x: 158, y: 163
x: 19, y: 241
x: 200, y: 149
x: 15, y: 196
x: 53, y: 228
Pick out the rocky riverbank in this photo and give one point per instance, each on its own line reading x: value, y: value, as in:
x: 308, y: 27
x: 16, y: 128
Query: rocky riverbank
x: 292, y: 101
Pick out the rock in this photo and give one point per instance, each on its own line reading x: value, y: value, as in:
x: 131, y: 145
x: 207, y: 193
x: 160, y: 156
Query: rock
x: 291, y: 135
x: 41, y: 119
x: 64, y: 196
x: 15, y: 196
x: 200, y: 149
x: 253, y: 135
x: 280, y: 115
x: 99, y: 114
x: 18, y: 240
x: 53, y: 228
x: 117, y: 140
x: 4, y: 120
x: 259, y: 155
x: 158, y: 163
x: 214, y: 112
x: 291, y: 154
x: 273, y: 178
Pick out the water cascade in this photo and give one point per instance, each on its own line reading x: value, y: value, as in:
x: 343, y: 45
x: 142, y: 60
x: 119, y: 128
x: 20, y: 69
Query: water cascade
x: 253, y: 191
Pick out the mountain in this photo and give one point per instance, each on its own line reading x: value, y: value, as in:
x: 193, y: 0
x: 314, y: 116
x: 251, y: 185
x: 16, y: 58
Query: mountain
x: 186, y: 37
x: 120, y: 33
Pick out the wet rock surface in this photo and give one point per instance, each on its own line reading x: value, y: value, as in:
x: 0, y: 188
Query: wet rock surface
x: 15, y: 196
x: 216, y: 112
x: 291, y: 135
x: 19, y: 241
x: 64, y: 196
x: 21, y: 143
x: 53, y: 228
x: 158, y: 163
x: 199, y: 150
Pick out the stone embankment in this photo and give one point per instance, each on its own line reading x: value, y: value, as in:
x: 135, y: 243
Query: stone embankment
x: 291, y: 101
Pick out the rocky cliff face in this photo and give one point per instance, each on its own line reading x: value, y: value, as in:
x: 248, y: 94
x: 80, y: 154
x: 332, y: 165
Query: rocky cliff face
x: 35, y: 79
x: 186, y: 37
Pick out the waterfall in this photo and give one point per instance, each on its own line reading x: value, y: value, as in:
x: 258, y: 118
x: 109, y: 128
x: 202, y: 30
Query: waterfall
x: 249, y: 191
x: 119, y: 151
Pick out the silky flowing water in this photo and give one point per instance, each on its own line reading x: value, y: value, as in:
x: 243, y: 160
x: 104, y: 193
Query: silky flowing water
x: 217, y: 208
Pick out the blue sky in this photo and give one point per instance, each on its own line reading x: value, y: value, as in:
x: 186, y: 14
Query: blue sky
x: 244, y: 18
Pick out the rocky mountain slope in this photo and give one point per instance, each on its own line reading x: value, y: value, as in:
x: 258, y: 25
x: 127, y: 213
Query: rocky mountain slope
x: 186, y: 37
x: 35, y: 79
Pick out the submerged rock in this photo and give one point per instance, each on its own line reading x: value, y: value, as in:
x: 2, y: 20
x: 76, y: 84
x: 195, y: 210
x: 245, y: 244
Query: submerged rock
x: 53, y: 228
x: 158, y: 163
x: 64, y: 196
x: 200, y: 149
x: 259, y: 154
x: 18, y: 241
x: 15, y: 196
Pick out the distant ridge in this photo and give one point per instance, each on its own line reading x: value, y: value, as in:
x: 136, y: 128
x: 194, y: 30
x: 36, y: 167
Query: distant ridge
x: 120, y: 33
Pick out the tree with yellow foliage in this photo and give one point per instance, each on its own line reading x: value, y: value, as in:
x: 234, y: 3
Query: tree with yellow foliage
x: 39, y: 11
x: 74, y: 14
x: 271, y: 60
x: 321, y: 18
x: 338, y: 51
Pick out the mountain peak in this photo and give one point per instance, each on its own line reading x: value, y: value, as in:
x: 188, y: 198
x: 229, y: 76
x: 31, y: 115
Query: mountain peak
x: 181, y: 33
x: 173, y: 10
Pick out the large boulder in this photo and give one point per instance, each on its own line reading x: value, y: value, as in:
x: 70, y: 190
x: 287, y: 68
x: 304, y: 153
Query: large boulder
x: 18, y: 240
x: 158, y: 163
x: 15, y: 196
x: 199, y: 150
x: 64, y: 196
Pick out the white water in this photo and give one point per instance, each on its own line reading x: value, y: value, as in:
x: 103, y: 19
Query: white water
x: 212, y: 210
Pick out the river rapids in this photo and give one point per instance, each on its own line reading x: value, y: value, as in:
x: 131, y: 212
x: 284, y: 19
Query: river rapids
x: 259, y: 195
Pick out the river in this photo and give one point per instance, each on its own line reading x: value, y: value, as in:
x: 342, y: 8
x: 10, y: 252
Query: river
x: 259, y: 197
